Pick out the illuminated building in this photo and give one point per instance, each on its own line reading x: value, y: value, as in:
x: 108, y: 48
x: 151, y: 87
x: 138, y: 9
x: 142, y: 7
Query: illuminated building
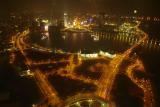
x: 65, y: 19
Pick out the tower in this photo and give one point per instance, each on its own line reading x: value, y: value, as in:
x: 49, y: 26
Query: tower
x: 65, y: 19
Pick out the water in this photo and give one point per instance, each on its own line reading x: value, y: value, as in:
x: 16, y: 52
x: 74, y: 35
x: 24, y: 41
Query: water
x: 74, y: 42
x: 84, y: 42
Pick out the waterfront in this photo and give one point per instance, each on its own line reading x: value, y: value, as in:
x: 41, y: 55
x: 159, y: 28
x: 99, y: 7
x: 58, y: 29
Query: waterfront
x: 67, y: 59
x: 114, y: 44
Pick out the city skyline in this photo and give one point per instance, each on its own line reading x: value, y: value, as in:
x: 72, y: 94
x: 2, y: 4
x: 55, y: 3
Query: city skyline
x: 79, y: 53
x: 125, y: 7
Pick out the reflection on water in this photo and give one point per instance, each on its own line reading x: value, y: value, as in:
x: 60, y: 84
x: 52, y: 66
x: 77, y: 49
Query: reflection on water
x: 96, y: 41
x: 85, y: 42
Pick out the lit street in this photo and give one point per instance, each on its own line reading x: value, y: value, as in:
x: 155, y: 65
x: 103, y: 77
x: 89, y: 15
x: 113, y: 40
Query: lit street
x: 106, y: 81
x: 79, y: 53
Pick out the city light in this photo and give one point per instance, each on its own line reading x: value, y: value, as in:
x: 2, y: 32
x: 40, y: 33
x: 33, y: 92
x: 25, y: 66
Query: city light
x: 46, y: 28
x: 79, y: 53
x: 135, y: 11
x: 45, y: 21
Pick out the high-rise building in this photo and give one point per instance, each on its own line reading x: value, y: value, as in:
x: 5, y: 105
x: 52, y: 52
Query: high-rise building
x: 65, y: 19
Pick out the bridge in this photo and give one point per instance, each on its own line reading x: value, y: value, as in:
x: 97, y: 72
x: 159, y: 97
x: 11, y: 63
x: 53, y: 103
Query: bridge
x: 105, y: 83
x: 127, y: 38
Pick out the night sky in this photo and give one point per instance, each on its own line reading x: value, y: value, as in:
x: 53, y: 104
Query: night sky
x: 122, y: 7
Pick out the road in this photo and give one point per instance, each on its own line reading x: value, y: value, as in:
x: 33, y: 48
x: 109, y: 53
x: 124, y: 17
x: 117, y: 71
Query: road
x: 107, y: 79
x: 144, y: 84
x: 46, y: 89
x: 104, y: 84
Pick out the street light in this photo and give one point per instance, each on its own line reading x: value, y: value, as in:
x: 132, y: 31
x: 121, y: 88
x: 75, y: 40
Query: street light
x: 135, y: 11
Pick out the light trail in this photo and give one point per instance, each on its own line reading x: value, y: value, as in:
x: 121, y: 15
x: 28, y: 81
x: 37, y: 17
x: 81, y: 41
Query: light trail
x: 74, y: 76
x: 144, y: 84
x: 107, y: 80
x: 104, y: 84
x: 46, y: 89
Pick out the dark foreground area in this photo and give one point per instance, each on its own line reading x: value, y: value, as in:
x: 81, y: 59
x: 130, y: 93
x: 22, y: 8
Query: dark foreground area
x: 16, y: 91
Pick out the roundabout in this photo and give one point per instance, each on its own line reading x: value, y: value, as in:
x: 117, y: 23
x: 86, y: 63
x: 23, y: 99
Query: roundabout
x: 86, y: 101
